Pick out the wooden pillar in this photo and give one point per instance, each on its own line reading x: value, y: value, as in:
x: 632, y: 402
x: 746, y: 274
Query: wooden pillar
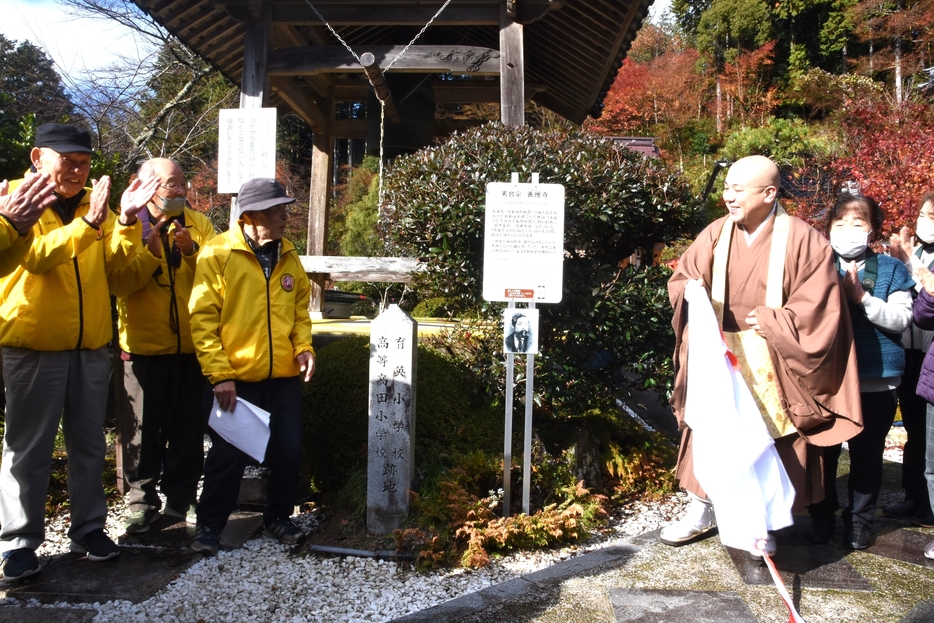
x: 511, y: 68
x: 318, y: 212
x: 254, y: 82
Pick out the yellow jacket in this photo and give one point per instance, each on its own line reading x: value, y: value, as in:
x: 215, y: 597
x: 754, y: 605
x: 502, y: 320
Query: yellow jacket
x: 245, y: 327
x: 57, y: 297
x: 152, y: 297
x: 12, y: 245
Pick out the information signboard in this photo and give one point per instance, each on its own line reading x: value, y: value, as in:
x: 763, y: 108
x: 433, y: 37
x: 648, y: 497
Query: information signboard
x: 523, y: 243
x: 246, y: 146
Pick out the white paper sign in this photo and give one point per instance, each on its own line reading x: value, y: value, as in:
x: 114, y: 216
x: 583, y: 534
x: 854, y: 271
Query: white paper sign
x: 246, y: 146
x: 523, y: 242
x: 247, y: 428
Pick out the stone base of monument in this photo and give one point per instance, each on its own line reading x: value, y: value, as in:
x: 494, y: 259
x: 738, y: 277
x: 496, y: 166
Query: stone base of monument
x: 136, y: 575
x: 170, y: 532
x: 252, y: 495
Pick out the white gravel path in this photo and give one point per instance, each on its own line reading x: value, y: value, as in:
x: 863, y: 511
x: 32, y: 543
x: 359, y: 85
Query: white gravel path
x: 271, y: 585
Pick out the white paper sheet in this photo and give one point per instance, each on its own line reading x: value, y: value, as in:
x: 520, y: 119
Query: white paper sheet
x: 247, y: 428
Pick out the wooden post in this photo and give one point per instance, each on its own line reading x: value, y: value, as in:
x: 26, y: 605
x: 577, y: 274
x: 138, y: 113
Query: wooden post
x: 254, y: 82
x: 375, y: 76
x: 511, y: 69
x: 317, y: 240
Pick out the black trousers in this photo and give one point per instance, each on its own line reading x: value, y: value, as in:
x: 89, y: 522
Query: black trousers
x: 866, y: 448
x: 223, y: 468
x: 167, y: 445
x: 914, y: 410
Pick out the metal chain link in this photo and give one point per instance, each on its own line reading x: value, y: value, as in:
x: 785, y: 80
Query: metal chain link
x: 420, y: 33
x: 333, y: 32
x: 382, y: 106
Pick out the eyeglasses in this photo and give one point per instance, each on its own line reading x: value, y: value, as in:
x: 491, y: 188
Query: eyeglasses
x: 71, y: 163
x: 170, y: 186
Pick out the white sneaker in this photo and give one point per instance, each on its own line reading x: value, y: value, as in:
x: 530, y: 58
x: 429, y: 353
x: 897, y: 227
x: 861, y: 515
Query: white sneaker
x: 696, y: 522
x: 770, y: 548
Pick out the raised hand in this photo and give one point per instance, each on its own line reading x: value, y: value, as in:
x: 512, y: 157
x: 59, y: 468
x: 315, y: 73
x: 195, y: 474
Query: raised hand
x: 25, y: 205
x: 100, y: 198
x: 900, y: 246
x: 135, y: 197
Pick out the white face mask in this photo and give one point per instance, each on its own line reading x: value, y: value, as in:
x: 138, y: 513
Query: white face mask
x: 925, y: 230
x: 849, y: 243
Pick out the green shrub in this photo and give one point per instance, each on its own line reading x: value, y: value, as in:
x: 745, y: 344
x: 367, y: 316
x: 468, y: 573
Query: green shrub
x: 616, y: 201
x: 451, y: 418
x: 435, y: 307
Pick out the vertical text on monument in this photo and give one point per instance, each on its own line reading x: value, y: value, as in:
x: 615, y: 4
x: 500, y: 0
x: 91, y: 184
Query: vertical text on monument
x: 391, y: 436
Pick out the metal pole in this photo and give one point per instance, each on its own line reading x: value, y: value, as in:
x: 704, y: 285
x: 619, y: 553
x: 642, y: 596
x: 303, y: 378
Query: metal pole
x: 507, y: 436
x: 527, y: 444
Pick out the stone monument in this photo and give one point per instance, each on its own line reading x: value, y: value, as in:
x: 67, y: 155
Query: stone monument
x: 391, y: 438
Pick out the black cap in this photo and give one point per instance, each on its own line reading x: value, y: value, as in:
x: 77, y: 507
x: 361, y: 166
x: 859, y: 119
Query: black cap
x: 64, y: 139
x: 262, y: 193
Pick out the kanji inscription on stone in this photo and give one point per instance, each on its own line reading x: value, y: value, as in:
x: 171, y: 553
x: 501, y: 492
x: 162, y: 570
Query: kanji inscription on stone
x: 391, y: 438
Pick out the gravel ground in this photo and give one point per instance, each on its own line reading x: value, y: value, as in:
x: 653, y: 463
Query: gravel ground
x: 274, y: 585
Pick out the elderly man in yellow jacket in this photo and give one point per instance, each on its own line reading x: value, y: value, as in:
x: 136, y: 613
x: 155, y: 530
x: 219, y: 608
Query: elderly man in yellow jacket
x: 252, y: 333
x: 54, y: 328
x: 163, y: 381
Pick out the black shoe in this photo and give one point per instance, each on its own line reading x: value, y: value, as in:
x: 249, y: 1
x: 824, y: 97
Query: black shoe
x: 207, y: 540
x: 284, y: 530
x: 901, y: 510
x: 96, y: 545
x: 857, y: 536
x: 923, y: 518
x: 822, y: 527
x: 18, y: 564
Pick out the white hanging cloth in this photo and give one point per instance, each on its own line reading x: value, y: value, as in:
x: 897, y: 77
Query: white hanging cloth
x: 735, y: 460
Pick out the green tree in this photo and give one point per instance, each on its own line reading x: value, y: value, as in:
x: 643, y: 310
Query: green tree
x: 31, y: 93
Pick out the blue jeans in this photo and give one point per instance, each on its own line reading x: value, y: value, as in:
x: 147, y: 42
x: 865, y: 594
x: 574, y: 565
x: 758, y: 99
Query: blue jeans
x: 224, y: 465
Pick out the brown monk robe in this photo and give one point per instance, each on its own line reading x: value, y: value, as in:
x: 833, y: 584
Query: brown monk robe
x: 810, y: 341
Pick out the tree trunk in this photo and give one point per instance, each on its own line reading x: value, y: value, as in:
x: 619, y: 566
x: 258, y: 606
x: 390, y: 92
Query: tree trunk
x: 719, y: 106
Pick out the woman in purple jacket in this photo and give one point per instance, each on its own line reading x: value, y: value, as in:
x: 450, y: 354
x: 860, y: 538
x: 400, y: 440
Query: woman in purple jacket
x: 923, y: 313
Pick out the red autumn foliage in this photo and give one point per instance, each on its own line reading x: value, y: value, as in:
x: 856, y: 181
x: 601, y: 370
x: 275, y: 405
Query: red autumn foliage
x: 891, y: 157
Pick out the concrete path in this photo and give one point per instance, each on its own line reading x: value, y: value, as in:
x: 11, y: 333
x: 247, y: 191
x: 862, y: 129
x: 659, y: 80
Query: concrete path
x: 705, y: 582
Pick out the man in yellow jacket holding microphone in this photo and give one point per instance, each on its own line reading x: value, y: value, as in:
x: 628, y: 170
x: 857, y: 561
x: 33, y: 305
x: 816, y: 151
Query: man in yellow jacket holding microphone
x: 252, y: 334
x: 163, y: 381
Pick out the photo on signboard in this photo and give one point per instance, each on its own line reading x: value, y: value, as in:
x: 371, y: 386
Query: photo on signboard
x: 520, y: 331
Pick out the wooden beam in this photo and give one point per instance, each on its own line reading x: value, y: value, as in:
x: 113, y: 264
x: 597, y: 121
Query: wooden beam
x: 254, y: 83
x: 512, y: 70
x: 382, y: 269
x: 455, y: 59
x: 446, y: 91
x: 381, y: 15
x: 306, y: 107
x: 356, y: 128
x: 316, y: 243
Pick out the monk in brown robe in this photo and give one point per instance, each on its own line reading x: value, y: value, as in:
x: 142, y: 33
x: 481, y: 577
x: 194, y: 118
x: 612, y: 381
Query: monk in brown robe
x: 809, y: 336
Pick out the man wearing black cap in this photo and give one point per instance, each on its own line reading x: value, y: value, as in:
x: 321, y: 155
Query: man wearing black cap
x: 54, y: 329
x: 252, y: 334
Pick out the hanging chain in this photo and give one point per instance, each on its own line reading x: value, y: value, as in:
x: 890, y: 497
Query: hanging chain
x: 333, y: 32
x: 382, y: 106
x: 420, y: 33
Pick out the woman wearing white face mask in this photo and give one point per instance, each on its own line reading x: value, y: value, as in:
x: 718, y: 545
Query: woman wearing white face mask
x: 916, y: 505
x: 878, y: 290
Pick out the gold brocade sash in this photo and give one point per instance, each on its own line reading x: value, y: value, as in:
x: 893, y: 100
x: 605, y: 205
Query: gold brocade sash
x: 750, y: 348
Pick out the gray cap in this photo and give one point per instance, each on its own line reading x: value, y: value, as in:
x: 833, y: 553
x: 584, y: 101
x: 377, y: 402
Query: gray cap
x: 262, y: 193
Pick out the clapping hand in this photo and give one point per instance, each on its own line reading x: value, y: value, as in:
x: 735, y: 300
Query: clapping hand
x: 26, y: 204
x: 926, y: 278
x: 900, y: 246
x: 852, y: 286
x: 135, y: 197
